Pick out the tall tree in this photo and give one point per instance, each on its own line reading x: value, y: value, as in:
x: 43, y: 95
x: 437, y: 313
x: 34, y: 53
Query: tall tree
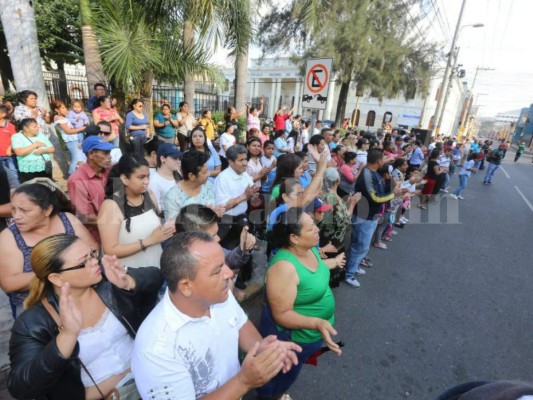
x: 18, y: 21
x: 91, y: 52
x: 371, y: 41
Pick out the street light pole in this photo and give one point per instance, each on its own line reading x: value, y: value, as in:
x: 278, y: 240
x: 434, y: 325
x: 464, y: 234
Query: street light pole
x: 448, y: 67
x: 448, y: 89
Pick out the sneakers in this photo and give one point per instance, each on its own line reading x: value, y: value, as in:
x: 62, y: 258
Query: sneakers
x: 404, y: 220
x: 380, y: 245
x: 460, y: 197
x: 359, y: 271
x: 444, y: 190
x: 453, y: 196
x: 400, y: 225
x: 393, y: 232
x: 353, y: 282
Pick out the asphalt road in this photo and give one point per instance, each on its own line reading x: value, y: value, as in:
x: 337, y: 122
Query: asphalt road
x: 448, y: 302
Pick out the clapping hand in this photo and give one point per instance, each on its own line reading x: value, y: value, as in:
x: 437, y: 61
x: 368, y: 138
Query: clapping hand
x: 70, y: 314
x: 326, y: 331
x: 116, y: 273
x: 290, y: 349
x: 257, y: 369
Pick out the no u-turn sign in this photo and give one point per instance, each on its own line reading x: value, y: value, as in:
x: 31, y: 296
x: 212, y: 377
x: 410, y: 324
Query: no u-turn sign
x: 318, y: 72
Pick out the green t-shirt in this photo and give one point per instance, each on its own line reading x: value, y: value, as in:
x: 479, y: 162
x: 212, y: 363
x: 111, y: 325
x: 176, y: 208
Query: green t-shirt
x: 275, y: 192
x: 521, y: 148
x: 314, y: 297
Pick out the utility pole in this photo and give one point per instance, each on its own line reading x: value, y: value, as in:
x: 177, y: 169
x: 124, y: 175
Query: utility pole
x: 467, y: 116
x: 448, y: 67
x: 448, y: 90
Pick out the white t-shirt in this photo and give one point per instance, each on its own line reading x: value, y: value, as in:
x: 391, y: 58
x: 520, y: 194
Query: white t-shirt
x: 304, y: 138
x: 159, y: 187
x: 226, y: 139
x: 229, y: 185
x: 182, y: 358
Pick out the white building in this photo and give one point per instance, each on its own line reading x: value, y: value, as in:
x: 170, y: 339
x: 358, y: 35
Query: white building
x: 281, y: 82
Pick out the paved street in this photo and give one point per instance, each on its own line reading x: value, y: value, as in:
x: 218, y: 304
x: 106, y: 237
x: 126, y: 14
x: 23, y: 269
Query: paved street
x: 447, y: 303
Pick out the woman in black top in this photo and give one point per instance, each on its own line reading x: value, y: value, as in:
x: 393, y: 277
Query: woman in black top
x: 431, y: 177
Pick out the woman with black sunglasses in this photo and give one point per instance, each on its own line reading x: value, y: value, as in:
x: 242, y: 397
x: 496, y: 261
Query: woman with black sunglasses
x: 75, y: 339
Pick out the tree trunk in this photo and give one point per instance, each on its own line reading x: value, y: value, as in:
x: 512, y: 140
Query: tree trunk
x: 91, y: 52
x: 18, y: 20
x: 341, y: 105
x: 6, y: 72
x: 146, y: 95
x: 241, y: 78
x: 188, y: 45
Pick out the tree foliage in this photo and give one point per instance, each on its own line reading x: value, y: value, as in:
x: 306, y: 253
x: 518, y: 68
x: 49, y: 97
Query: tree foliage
x: 372, y: 43
x: 59, y: 31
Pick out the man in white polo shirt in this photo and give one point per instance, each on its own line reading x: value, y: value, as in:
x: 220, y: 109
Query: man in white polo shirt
x: 233, y: 188
x: 187, y: 348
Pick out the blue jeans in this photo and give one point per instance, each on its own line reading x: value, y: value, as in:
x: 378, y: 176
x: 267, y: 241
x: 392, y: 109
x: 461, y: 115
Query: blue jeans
x: 362, y: 233
x: 491, y: 169
x: 11, y: 169
x: 73, y: 151
x: 446, y: 181
x: 463, y: 180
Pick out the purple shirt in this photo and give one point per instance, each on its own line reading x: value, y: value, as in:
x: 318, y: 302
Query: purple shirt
x: 77, y: 120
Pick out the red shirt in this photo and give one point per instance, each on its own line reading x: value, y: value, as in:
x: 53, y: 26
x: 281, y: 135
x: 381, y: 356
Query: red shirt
x: 279, y: 121
x: 6, y: 131
x: 87, y: 193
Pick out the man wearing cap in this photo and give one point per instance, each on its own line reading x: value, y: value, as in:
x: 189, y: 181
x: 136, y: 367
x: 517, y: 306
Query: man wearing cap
x: 104, y: 130
x: 86, y: 186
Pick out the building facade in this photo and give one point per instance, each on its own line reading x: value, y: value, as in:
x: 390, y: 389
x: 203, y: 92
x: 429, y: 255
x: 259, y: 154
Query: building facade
x: 281, y: 82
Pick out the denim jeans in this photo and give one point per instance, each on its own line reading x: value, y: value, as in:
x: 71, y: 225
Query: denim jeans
x: 9, y: 165
x: 137, y: 144
x: 362, y: 232
x: 463, y: 180
x: 446, y: 181
x: 73, y: 151
x: 491, y: 169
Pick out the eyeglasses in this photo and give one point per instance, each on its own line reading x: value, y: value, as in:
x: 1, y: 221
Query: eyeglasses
x: 106, y: 133
x: 94, y: 254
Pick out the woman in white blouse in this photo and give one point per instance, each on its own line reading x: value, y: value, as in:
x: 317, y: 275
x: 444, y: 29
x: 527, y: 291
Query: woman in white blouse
x: 227, y: 139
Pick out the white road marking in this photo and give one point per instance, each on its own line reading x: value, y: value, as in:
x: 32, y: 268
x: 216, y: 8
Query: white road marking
x: 525, y: 198
x: 505, y: 172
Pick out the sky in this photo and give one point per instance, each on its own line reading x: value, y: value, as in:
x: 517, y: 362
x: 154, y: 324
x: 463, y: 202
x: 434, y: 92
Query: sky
x: 500, y: 45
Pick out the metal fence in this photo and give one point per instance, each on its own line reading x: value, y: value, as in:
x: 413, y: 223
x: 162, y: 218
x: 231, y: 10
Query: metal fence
x: 68, y: 87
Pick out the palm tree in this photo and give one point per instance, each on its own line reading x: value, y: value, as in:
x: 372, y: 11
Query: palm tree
x: 91, y: 52
x: 138, y: 47
x: 18, y: 21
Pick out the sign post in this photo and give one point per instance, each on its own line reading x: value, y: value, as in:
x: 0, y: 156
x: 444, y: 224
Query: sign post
x: 315, y: 94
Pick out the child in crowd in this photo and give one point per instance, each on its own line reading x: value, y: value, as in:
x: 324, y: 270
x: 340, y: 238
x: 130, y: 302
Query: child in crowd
x: 467, y: 169
x: 78, y: 118
x: 7, y: 130
x: 268, y: 160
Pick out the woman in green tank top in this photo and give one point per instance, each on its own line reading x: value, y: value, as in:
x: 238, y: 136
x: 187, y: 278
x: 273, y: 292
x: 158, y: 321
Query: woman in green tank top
x: 300, y: 306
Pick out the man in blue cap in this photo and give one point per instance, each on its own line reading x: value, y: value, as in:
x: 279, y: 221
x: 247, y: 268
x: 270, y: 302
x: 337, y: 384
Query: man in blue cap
x: 86, y: 186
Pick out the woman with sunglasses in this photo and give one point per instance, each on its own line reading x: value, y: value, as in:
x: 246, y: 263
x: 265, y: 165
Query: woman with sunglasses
x: 39, y: 210
x: 75, y: 339
x: 105, y: 112
x: 69, y: 134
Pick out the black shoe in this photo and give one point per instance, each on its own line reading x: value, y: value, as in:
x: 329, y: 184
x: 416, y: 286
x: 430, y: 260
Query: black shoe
x: 399, y: 225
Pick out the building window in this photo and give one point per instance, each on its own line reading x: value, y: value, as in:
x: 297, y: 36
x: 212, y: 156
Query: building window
x: 371, y: 118
x: 387, y: 117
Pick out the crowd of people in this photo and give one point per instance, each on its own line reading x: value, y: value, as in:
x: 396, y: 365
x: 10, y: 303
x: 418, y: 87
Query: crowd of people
x: 129, y: 284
